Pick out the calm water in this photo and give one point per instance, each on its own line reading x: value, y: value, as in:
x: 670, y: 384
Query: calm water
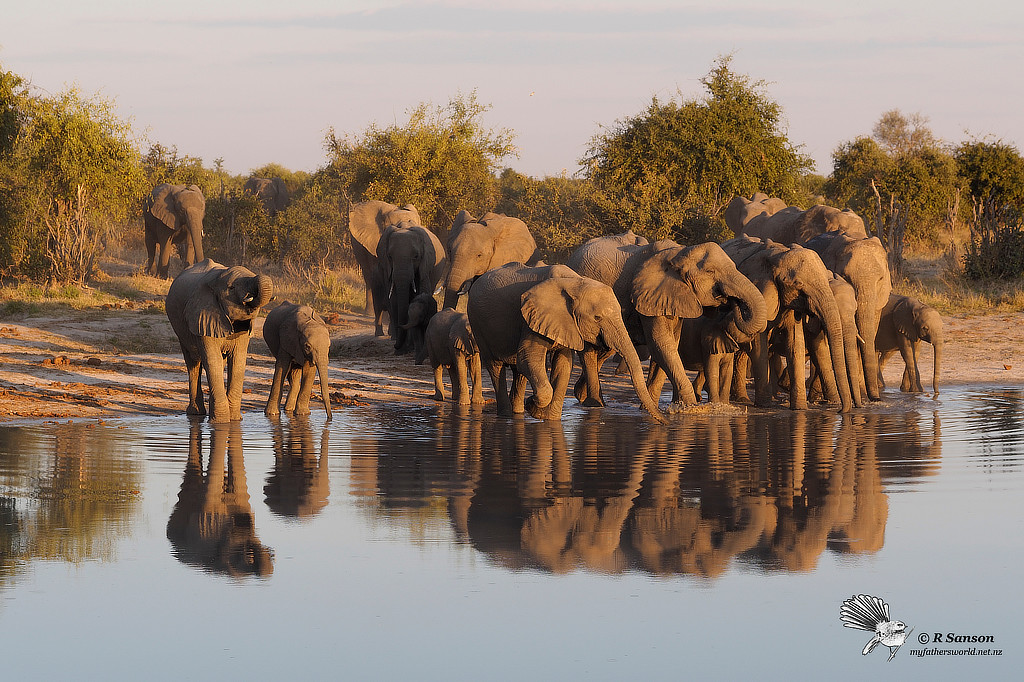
x: 398, y: 543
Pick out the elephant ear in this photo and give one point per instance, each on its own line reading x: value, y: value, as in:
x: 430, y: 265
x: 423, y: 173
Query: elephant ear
x: 203, y: 310
x: 903, y: 319
x: 461, y: 338
x: 164, y: 208
x: 366, y: 221
x: 548, y: 310
x: 463, y: 218
x: 434, y: 260
x: 659, y: 288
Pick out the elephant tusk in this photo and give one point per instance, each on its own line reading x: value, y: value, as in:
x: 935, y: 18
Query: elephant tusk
x: 248, y: 299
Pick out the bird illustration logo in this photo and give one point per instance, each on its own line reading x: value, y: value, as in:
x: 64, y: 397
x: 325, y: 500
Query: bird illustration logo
x: 865, y: 612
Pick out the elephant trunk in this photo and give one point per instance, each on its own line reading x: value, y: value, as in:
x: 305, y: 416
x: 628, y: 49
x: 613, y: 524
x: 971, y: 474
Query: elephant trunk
x: 195, y: 233
x: 867, y: 325
x: 750, y: 314
x: 617, y: 339
x: 937, y: 347
x: 325, y: 389
x: 265, y: 286
x: 458, y: 275
x: 402, y: 290
x: 823, y: 306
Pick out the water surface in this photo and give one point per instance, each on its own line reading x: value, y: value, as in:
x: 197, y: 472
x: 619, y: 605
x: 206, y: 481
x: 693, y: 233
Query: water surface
x: 432, y: 543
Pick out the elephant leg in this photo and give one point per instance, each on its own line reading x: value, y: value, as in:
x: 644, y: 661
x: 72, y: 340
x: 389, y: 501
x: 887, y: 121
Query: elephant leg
x: 655, y: 380
x: 439, y: 382
x: 738, y: 382
x: 796, y: 361
x: 821, y: 361
x: 699, y: 382
x: 911, y: 377
x: 213, y: 363
x: 273, y: 407
x: 663, y: 340
x: 763, y: 395
x: 725, y: 376
x: 151, y: 242
x: 496, y: 370
x: 518, y: 396
x: 306, y: 376
x: 165, y: 258
x: 588, y: 388
x: 882, y: 359
x: 712, y: 371
x: 194, y: 367
x: 294, y: 386
x: 474, y: 376
x: 460, y: 385
x: 561, y: 368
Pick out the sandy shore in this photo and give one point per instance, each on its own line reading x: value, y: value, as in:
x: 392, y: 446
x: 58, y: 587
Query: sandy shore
x: 59, y: 368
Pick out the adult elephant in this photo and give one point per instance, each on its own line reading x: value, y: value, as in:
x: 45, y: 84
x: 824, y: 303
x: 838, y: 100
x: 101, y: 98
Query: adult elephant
x: 741, y: 210
x: 817, y: 344
x: 794, y: 226
x: 904, y: 323
x: 520, y: 315
x: 412, y: 261
x: 367, y: 221
x: 478, y: 245
x: 173, y: 214
x: 271, y: 192
x: 794, y: 283
x: 864, y: 264
x: 211, y: 308
x: 657, y: 285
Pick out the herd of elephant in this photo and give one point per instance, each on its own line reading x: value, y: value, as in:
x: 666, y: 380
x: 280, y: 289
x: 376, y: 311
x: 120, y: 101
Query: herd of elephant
x: 792, y: 285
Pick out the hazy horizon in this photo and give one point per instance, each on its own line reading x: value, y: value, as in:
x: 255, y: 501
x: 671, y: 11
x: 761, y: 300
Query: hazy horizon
x: 262, y: 82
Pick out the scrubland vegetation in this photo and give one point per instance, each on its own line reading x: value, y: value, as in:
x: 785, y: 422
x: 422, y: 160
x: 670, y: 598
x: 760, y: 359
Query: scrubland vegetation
x: 73, y: 177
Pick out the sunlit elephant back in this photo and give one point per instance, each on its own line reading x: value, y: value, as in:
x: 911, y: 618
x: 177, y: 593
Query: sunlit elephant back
x: 173, y: 214
x: 478, y: 245
x: 367, y: 221
x: 742, y: 210
x: 792, y: 225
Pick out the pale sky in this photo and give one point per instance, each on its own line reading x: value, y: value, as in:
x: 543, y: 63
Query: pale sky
x: 256, y: 82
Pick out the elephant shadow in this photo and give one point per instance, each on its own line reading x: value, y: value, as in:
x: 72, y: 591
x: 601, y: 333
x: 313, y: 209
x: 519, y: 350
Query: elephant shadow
x: 298, y: 486
x: 212, y: 526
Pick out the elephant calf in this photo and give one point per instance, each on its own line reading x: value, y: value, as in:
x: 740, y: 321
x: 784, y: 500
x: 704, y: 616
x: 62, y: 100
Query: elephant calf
x: 422, y: 309
x: 903, y: 324
x: 299, y: 341
x: 450, y: 344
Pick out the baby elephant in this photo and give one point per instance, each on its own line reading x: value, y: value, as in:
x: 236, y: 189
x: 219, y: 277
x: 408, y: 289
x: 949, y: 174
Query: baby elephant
x: 905, y: 322
x: 422, y: 307
x: 450, y: 343
x: 299, y: 340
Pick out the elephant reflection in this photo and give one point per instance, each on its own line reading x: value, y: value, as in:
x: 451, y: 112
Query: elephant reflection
x: 298, y: 486
x: 772, y: 491
x: 212, y: 525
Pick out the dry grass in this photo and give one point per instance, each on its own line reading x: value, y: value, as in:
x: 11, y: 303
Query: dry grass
x: 936, y: 278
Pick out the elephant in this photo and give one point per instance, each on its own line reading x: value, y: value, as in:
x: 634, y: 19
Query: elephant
x: 864, y: 264
x: 794, y: 283
x: 791, y: 225
x: 521, y: 314
x: 367, y: 220
x: 422, y: 309
x: 741, y: 210
x: 817, y: 345
x: 299, y: 341
x: 476, y: 246
x: 450, y: 344
x: 212, y: 525
x: 211, y: 308
x: 904, y: 323
x: 707, y: 346
x: 657, y: 285
x: 298, y: 487
x: 173, y: 214
x: 412, y: 262
x: 272, y: 192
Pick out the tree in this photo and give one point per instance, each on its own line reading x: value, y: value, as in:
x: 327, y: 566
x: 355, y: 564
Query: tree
x: 70, y: 153
x: 679, y: 162
x: 993, y: 175
x: 902, y: 176
x: 442, y: 161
